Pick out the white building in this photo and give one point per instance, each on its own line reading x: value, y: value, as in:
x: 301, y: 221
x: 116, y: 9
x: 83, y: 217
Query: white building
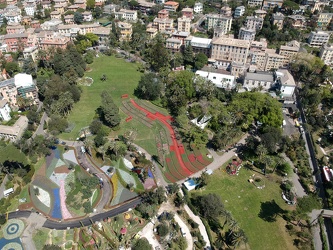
x: 286, y: 83
x: 318, y: 38
x: 4, y: 110
x: 30, y: 52
x: 246, y: 34
x: 239, y: 11
x: 260, y: 81
x: 326, y: 54
x: 254, y: 23
x: 254, y: 3
x: 219, y: 21
x: 13, y: 133
x: 13, y: 17
x: 223, y: 81
x: 129, y: 15
x: 30, y: 9
x: 198, y: 8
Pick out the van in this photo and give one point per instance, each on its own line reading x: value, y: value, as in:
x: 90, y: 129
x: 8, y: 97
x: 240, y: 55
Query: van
x: 182, y: 232
x: 83, y: 150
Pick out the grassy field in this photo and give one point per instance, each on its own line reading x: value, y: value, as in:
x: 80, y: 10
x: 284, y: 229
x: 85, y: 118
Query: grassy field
x: 40, y: 236
x: 245, y: 202
x: 122, y: 78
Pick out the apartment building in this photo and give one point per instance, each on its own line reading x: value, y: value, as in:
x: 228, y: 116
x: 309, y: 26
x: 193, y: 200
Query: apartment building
x: 289, y: 51
x: 21, y: 85
x: 13, y: 17
x: 262, y: 81
x: 174, y: 45
x: 298, y: 21
x: 260, y: 13
x: 260, y: 45
x: 125, y: 31
x: 226, y: 11
x: 227, y: 50
x: 69, y: 19
x: 15, y: 28
x: 318, y: 38
x: 60, y: 8
x: 129, y: 15
x: 254, y: 23
x: 73, y: 7
x: 326, y: 54
x: 151, y: 32
x: 187, y: 12
x: 30, y: 9
x: 254, y: 3
x: 31, y: 52
x: 324, y: 19
x: 15, y: 132
x: 103, y: 34
x: 163, y: 14
x: 278, y: 19
x: 58, y: 41
x: 239, y: 11
x: 221, y: 78
x: 286, y: 84
x: 83, y: 29
x: 246, y: 34
x: 55, y: 15
x: 16, y: 42
x: 162, y: 24
x: 4, y: 110
x: 199, y: 45
x: 87, y: 16
x: 184, y: 24
x: 271, y: 4
x: 219, y: 21
x: 171, y: 6
x: 198, y: 8
x: 267, y: 60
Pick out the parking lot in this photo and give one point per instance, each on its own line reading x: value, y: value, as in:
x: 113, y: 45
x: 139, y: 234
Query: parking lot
x: 289, y: 128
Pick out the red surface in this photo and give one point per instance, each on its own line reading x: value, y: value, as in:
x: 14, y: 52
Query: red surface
x: 167, y: 159
x: 128, y: 118
x: 124, y: 96
x: 191, y: 157
x: 164, y: 120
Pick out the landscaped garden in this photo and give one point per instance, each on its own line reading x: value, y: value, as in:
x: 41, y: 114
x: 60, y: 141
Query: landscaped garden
x: 257, y: 211
x: 122, y: 78
x: 11, y: 232
x: 61, y: 189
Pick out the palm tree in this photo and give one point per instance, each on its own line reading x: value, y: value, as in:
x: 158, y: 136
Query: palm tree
x: 233, y: 226
x: 268, y: 161
x: 261, y: 150
x: 89, y: 143
x: 103, y: 149
x: 227, y: 217
x: 239, y: 238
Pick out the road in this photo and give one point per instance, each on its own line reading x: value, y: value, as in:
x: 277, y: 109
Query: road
x: 316, y: 177
x: 51, y: 224
x: 40, y: 130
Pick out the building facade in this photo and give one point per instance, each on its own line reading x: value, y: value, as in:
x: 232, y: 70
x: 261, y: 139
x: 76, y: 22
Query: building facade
x: 219, y: 21
x: 318, y: 38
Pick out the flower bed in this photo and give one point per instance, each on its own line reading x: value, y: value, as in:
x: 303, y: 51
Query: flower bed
x: 127, y: 177
x: 43, y: 196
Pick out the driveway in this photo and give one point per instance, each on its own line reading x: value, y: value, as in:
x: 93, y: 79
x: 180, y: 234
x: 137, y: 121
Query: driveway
x: 148, y: 233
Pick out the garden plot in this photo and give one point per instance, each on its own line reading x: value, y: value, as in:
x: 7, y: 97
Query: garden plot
x: 70, y: 156
x: 122, y: 194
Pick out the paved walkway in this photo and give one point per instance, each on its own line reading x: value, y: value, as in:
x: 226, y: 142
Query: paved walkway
x: 3, y: 186
x: 148, y: 233
x: 202, y: 227
x: 34, y: 222
x: 299, y: 190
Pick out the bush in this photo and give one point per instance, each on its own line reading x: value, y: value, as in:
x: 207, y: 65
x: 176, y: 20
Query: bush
x: 162, y: 230
x: 193, y: 223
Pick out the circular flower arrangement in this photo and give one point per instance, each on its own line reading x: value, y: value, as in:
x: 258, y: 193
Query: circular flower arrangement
x: 12, y: 245
x: 13, y: 229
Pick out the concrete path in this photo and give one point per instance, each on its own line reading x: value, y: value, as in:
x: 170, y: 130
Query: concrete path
x: 202, y: 227
x: 315, y: 229
x: 299, y: 190
x: 3, y: 186
x: 160, y: 181
x: 148, y: 233
x: 34, y: 221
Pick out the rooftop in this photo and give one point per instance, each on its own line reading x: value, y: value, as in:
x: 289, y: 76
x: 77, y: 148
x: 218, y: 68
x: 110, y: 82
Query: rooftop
x: 16, y: 129
x: 260, y: 76
x: 231, y: 42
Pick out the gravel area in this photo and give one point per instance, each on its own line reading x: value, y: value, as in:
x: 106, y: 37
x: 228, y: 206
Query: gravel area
x: 70, y: 156
x: 128, y: 164
x: 43, y: 196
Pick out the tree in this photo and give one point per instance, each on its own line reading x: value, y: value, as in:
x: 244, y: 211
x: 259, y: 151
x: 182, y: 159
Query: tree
x: 97, y: 12
x: 29, y: 67
x: 57, y: 124
x: 188, y: 55
x: 108, y: 111
x: 95, y: 126
x: 141, y: 244
x: 78, y: 17
x: 203, y: 179
x: 158, y: 55
x: 200, y: 60
x: 12, y: 68
x: 261, y: 151
x: 149, y: 87
x: 210, y: 206
x: 173, y: 188
x: 90, y: 4
x: 163, y: 230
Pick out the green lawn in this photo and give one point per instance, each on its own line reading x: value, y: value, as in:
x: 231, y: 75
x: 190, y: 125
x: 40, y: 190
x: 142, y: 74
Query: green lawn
x: 39, y: 237
x: 244, y: 201
x: 122, y: 78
